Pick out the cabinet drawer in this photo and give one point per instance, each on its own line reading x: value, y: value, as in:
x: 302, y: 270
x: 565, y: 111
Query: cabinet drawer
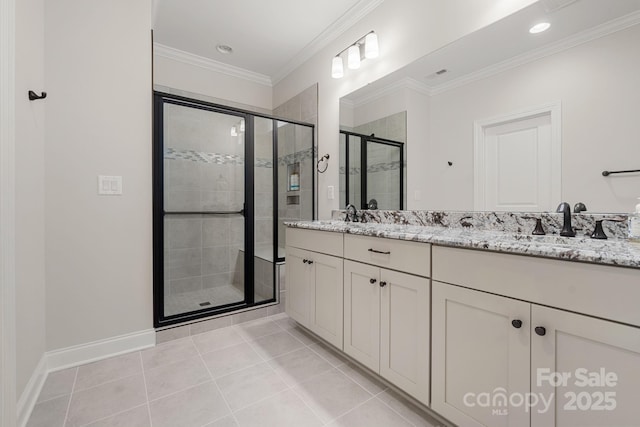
x: 326, y: 242
x: 596, y: 290
x: 409, y: 257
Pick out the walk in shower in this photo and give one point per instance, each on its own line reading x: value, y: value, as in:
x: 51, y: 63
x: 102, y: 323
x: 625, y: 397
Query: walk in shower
x: 221, y: 177
x: 371, y: 172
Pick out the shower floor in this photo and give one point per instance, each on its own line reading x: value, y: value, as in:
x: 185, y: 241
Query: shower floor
x: 191, y: 301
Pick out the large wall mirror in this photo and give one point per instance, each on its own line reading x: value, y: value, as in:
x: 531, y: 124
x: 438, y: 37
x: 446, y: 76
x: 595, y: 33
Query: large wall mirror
x: 506, y: 120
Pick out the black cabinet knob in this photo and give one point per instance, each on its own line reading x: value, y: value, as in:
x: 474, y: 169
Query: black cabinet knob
x: 305, y: 261
x: 372, y: 281
x: 383, y: 284
x: 309, y: 262
x: 540, y: 330
x: 516, y: 323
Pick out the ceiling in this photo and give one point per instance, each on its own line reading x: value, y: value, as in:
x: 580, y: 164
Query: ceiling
x: 508, y: 43
x: 269, y: 38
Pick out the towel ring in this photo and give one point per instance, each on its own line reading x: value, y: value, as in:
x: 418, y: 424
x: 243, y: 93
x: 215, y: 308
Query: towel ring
x: 322, y: 159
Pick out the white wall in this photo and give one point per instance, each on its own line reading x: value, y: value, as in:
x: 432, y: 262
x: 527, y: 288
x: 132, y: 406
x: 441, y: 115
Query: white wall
x: 407, y: 30
x: 198, y: 80
x: 98, y: 248
x: 418, y: 150
x: 599, y: 88
x: 30, y: 233
x: 7, y: 214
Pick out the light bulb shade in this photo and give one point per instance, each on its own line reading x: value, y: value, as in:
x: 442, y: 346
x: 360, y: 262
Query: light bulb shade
x: 353, y: 57
x: 337, y: 69
x: 371, y: 46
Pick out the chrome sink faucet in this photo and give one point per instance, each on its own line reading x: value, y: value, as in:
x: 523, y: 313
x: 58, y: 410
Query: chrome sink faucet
x: 352, y: 215
x: 567, y: 230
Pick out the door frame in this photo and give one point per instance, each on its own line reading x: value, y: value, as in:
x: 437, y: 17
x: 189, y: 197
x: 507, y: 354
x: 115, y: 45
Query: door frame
x: 160, y: 98
x: 160, y: 318
x: 8, y: 406
x: 554, y: 109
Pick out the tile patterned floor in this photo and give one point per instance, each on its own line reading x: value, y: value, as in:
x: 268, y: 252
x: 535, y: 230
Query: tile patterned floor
x: 190, y: 301
x: 266, y: 373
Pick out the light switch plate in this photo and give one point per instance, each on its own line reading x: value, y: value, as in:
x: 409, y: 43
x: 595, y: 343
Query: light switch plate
x: 109, y: 185
x: 330, y: 192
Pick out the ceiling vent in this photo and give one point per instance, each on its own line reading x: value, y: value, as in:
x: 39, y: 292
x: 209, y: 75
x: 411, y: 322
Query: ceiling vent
x: 437, y: 73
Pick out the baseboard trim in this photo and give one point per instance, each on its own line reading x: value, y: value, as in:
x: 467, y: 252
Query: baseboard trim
x: 31, y: 392
x: 97, y: 350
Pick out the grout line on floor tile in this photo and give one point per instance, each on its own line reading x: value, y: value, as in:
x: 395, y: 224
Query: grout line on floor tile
x: 357, y: 382
x: 107, y: 382
x: 58, y: 396
x: 180, y: 391
x: 324, y: 358
x: 113, y: 415
x: 182, y: 359
x: 66, y: 415
x: 389, y: 406
x: 293, y: 389
x: 146, y: 390
x: 218, y: 388
x: 288, y: 387
x: 253, y: 365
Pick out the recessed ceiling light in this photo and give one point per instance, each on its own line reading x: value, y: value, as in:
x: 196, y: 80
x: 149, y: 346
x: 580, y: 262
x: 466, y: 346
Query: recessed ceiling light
x: 224, y: 49
x: 538, y: 28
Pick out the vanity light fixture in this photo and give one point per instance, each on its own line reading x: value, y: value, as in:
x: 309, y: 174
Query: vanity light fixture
x: 337, y: 69
x: 371, y: 45
x: 368, y: 43
x: 540, y: 27
x: 353, y: 57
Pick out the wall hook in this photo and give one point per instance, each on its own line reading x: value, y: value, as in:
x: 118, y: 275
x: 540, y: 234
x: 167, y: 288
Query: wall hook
x: 33, y: 96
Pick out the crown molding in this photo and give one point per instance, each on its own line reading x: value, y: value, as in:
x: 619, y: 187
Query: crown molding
x: 594, y: 33
x: 332, y: 32
x: 210, y: 64
x: 347, y: 103
x: 405, y: 83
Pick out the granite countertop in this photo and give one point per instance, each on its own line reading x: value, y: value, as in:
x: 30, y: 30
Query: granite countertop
x: 616, y: 252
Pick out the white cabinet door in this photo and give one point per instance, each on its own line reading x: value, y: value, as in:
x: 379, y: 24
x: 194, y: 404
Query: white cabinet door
x: 298, y: 284
x: 578, y: 347
x: 362, y: 313
x: 479, y: 356
x: 326, y: 316
x: 404, y: 332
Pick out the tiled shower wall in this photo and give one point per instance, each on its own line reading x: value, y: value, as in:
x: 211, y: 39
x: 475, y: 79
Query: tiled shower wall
x: 393, y: 127
x: 204, y: 170
x: 294, y: 145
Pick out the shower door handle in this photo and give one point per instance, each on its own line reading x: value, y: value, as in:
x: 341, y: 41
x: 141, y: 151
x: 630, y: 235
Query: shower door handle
x: 240, y: 212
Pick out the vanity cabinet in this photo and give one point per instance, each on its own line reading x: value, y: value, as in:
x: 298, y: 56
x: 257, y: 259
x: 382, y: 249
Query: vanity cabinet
x: 476, y: 349
x: 490, y: 351
x: 387, y: 312
x: 314, y: 283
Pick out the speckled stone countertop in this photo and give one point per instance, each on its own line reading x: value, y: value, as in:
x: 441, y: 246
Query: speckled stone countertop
x: 615, y: 252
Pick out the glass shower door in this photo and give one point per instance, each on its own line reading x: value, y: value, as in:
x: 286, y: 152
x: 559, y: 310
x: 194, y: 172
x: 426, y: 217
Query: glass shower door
x: 384, y: 175
x: 203, y: 209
